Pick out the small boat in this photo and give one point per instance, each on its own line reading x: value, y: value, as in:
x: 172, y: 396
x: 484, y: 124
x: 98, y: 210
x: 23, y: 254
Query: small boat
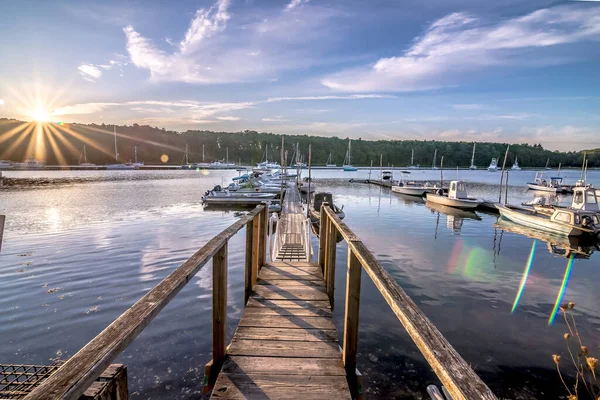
x: 412, y: 188
x: 412, y: 161
x: 329, y: 162
x: 434, y: 157
x: 457, y: 197
x: 118, y: 166
x: 473, y: 166
x: 493, y: 165
x: 515, y: 166
x: 547, y: 167
x: 566, y: 222
x: 315, y: 210
x: 584, y: 199
x: 348, y: 159
x: 83, y: 157
x: 4, y: 164
x: 30, y: 163
x: 387, y: 176
x: 542, y: 184
x: 136, y: 164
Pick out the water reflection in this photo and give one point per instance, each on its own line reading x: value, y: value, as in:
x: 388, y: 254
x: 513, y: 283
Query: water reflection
x: 454, y: 217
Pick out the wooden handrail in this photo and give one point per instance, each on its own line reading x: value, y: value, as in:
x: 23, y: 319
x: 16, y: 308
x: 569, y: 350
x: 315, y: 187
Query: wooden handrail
x: 72, y: 379
x: 452, y: 370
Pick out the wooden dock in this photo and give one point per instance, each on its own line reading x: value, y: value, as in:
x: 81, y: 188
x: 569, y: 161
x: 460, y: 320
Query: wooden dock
x: 285, y: 345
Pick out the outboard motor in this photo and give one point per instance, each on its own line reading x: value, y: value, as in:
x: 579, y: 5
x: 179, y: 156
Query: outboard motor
x: 322, y: 197
x: 217, y: 188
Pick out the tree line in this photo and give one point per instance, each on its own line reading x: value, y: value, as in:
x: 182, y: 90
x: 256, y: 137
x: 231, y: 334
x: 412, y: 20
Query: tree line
x: 18, y: 140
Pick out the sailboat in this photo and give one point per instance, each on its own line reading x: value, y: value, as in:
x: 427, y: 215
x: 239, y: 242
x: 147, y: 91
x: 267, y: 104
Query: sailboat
x: 548, y: 165
x: 117, y: 165
x: 83, y: 157
x: 473, y: 166
x: 515, y: 166
x: 412, y: 161
x: 434, y: 157
x: 266, y: 165
x: 493, y: 165
x: 136, y: 164
x: 348, y: 159
x: 329, y: 162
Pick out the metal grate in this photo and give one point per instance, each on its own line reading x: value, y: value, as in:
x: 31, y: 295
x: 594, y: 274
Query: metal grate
x: 17, y: 381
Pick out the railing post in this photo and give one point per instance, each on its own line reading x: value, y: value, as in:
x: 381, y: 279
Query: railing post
x: 330, y: 270
x: 264, y: 223
x: 255, y: 250
x: 219, y: 310
x: 351, y: 318
x: 249, y: 258
x: 323, y: 219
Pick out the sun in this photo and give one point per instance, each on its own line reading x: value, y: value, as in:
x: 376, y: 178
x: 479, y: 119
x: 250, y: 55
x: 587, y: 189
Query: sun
x: 40, y: 115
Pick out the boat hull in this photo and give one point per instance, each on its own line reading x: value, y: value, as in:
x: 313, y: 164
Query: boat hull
x: 465, y: 204
x: 350, y: 169
x: 528, y: 219
x: 412, y: 191
x: 540, y: 188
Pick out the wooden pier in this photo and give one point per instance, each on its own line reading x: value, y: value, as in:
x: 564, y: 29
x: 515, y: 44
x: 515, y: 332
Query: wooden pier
x: 285, y: 345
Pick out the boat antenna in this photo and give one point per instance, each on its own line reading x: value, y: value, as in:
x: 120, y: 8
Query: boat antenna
x: 583, y: 165
x: 506, y: 189
x: 502, y: 174
x: 381, y: 167
x: 442, y: 173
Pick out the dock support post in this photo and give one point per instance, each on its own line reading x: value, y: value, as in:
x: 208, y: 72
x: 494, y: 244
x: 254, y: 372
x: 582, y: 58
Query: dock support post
x: 330, y: 270
x: 249, y: 259
x: 264, y: 223
x: 323, y: 220
x: 219, y: 310
x: 255, y: 250
x: 351, y: 314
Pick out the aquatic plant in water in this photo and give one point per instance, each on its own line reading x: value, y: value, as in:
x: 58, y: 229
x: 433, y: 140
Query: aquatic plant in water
x: 584, y: 364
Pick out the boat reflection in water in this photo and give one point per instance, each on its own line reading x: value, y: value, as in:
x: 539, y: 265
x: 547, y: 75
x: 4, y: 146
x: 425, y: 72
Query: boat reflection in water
x: 454, y: 216
x: 564, y: 246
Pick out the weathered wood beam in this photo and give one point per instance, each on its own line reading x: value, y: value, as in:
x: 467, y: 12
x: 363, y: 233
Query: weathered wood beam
x: 219, y: 307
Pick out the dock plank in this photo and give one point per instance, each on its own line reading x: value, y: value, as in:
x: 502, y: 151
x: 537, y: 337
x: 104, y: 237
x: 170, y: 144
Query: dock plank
x: 284, y: 348
x: 243, y: 386
x: 290, y: 293
x: 283, y: 366
x: 287, y: 321
x: 299, y: 335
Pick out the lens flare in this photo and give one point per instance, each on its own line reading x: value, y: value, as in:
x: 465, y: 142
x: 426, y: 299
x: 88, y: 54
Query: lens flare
x: 525, y: 276
x: 563, y: 289
x: 455, y: 256
x: 164, y: 158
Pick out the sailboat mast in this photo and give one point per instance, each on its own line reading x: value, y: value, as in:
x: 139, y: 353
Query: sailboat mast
x: 434, y: 157
x: 412, y: 157
x: 473, y: 156
x: 84, y: 154
x: 227, y: 155
x: 202, y: 153
x: 187, y: 161
x: 135, y: 154
x: 349, y: 152
x: 116, y: 152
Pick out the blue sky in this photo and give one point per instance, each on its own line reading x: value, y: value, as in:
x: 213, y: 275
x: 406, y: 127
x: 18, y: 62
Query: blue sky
x: 514, y: 71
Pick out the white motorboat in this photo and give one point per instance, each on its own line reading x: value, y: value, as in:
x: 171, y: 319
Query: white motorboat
x: 562, y: 221
x: 348, y: 159
x: 457, y: 197
x: 387, y: 176
x: 412, y: 188
x: 553, y: 185
x: 515, y: 166
x: 30, y: 163
x: 493, y: 165
x: 117, y: 165
x: 584, y: 199
x: 4, y: 164
x: 473, y: 166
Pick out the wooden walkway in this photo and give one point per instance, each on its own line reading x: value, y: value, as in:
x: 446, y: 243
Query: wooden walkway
x: 285, y: 345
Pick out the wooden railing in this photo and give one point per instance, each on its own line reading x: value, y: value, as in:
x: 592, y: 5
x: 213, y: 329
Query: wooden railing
x: 78, y: 373
x: 454, y: 373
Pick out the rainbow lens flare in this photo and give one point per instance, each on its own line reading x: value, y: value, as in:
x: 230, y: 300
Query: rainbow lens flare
x: 561, y: 292
x: 525, y: 276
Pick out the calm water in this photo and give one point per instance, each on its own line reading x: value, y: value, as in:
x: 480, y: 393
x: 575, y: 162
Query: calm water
x: 76, y: 256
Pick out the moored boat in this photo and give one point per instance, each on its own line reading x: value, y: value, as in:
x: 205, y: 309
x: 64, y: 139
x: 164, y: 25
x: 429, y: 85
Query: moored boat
x: 4, y: 164
x: 493, y: 167
x: 515, y: 166
x: 540, y: 183
x: 457, y: 197
x: 473, y: 166
x: 348, y: 159
x: 412, y: 188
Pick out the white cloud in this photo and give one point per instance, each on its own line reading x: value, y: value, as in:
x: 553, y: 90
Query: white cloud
x: 228, y: 118
x: 467, y: 106
x: 256, y: 46
x: 279, y: 118
x: 345, y: 97
x: 89, y: 72
x: 81, y: 109
x: 295, y: 3
x: 1, y: 102
x: 459, y: 43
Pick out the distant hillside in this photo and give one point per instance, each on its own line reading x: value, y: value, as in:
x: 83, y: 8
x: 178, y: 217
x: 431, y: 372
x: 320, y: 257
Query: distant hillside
x: 248, y: 147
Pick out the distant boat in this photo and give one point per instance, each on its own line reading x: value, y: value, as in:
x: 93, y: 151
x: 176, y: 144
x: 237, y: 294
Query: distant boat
x: 4, y: 164
x: 548, y: 165
x: 493, y: 165
x: 30, y: 163
x: 136, y: 164
x: 412, y: 188
x: 434, y: 158
x: 118, y: 166
x: 348, y: 159
x: 473, y: 166
x: 83, y: 157
x: 457, y: 197
x: 515, y: 166
x: 542, y: 184
x: 329, y: 162
x: 412, y: 161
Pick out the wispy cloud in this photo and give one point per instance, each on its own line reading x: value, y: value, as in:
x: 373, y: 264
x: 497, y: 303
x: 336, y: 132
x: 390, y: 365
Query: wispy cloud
x: 467, y: 106
x: 460, y: 43
x: 295, y: 3
x: 228, y: 118
x: 345, y: 97
x: 89, y: 72
x: 1, y: 102
x: 275, y: 119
